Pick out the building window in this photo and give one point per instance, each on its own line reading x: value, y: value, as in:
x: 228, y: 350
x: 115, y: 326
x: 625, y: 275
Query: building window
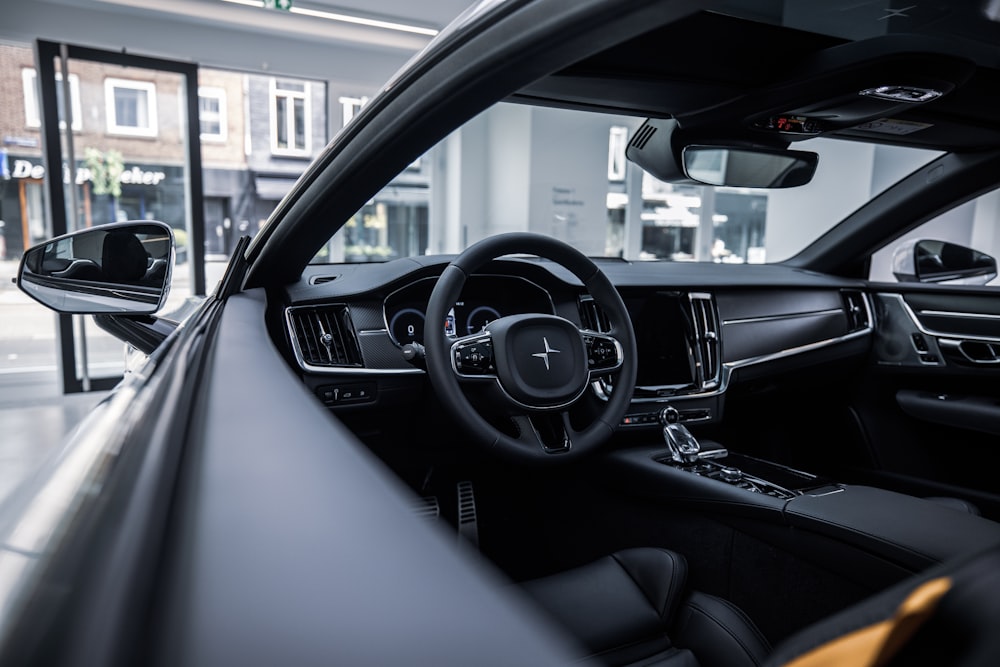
x: 32, y: 108
x: 212, y: 114
x: 131, y: 107
x: 350, y: 106
x: 290, y: 127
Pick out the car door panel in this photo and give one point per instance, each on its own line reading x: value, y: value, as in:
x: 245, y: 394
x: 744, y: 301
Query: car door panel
x: 929, y: 410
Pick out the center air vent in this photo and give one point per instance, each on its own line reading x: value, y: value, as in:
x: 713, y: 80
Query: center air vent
x: 706, y: 340
x: 858, y: 313
x: 323, y: 336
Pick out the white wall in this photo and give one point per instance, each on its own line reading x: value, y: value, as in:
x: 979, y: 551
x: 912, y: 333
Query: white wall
x: 508, y: 162
x: 487, y: 171
x: 572, y: 150
x: 843, y: 180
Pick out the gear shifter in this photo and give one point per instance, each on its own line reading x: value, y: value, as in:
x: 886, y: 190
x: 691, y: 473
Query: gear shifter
x: 683, y: 446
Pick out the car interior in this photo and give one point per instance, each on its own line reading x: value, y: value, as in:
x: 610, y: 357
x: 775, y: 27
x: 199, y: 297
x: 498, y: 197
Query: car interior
x: 802, y: 435
x: 675, y: 462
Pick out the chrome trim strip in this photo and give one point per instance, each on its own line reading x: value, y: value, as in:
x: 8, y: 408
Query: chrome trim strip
x: 839, y: 489
x: 790, y: 316
x: 946, y: 313
x: 809, y: 347
x: 931, y: 332
x: 350, y: 370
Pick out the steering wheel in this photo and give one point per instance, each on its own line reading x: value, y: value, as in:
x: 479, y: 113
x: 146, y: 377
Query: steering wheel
x: 535, y: 367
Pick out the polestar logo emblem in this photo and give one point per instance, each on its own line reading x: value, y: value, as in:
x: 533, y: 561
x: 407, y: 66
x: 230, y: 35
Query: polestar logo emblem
x: 897, y: 13
x: 544, y: 356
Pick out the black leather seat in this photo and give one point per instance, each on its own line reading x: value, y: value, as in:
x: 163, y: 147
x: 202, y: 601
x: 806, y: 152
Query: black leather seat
x: 947, y: 615
x: 632, y: 608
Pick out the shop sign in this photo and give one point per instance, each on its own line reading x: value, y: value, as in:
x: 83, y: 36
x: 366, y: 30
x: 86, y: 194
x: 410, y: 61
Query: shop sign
x: 22, y: 168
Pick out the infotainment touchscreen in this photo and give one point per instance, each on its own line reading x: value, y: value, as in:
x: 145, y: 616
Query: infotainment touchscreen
x: 663, y: 334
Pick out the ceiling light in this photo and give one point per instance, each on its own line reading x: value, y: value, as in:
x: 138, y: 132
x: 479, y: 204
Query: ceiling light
x: 907, y: 94
x: 344, y: 18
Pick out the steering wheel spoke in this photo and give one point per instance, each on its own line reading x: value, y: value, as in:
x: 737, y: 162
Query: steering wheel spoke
x: 548, y: 432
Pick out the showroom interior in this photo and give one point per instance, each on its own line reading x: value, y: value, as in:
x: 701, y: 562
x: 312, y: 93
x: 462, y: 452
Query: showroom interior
x: 129, y: 64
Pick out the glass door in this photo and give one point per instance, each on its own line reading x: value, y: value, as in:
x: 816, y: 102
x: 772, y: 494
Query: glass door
x: 122, y: 131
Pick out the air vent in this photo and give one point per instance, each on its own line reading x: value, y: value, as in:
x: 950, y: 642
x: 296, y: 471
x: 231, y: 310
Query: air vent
x: 319, y: 280
x: 706, y: 340
x: 856, y: 307
x: 643, y: 136
x: 323, y: 336
x: 592, y: 316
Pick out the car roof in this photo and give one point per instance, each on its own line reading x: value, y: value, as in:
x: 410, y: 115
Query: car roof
x: 723, y: 73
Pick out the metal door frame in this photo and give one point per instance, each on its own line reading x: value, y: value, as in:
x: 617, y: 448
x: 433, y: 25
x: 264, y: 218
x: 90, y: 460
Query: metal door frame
x: 45, y: 55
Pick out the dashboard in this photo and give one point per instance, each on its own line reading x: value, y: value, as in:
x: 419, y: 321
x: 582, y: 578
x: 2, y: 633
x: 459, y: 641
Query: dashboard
x: 699, y: 328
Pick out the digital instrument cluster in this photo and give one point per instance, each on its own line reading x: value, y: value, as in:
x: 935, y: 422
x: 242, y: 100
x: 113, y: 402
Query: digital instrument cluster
x: 484, y: 299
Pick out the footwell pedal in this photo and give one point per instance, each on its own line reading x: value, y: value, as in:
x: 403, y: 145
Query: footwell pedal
x: 468, y: 523
x: 427, y: 507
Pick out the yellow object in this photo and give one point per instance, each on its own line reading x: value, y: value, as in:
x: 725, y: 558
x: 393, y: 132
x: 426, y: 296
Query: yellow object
x: 876, y: 644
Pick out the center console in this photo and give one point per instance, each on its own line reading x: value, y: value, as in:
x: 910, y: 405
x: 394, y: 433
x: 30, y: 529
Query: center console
x: 795, y: 507
x: 756, y: 475
x: 713, y: 461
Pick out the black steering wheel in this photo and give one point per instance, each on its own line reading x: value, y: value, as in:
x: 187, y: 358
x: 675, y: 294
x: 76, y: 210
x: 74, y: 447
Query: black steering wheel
x: 535, y: 366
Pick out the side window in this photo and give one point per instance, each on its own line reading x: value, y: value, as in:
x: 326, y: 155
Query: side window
x: 967, y: 232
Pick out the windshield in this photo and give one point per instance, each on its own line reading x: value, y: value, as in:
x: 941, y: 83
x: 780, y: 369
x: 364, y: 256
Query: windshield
x: 564, y: 173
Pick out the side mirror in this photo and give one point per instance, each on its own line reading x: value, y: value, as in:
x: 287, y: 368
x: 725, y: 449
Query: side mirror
x: 657, y: 147
x: 121, y: 268
x: 929, y: 261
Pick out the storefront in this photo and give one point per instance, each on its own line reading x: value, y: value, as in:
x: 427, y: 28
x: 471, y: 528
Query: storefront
x: 148, y: 192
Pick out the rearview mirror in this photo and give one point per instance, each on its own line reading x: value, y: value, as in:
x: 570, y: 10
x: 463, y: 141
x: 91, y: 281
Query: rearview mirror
x: 748, y: 168
x: 930, y: 261
x: 120, y: 268
x: 657, y: 148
